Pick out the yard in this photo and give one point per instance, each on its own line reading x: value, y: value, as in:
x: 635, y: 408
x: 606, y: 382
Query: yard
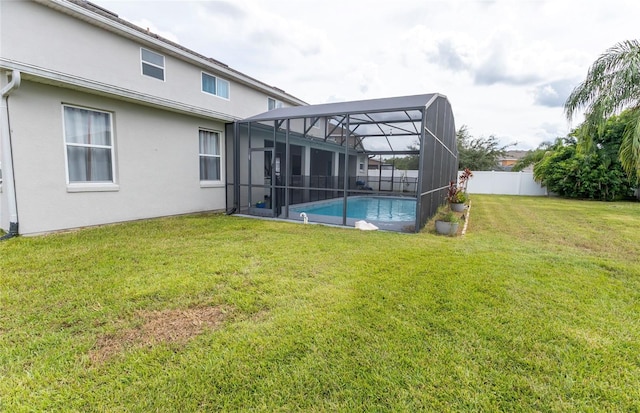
x: 536, y: 308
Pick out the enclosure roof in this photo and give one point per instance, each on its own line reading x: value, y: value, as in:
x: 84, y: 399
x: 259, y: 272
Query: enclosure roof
x: 400, y: 103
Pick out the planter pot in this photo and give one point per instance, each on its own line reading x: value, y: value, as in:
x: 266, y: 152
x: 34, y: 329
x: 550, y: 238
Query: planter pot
x: 457, y: 207
x: 446, y: 228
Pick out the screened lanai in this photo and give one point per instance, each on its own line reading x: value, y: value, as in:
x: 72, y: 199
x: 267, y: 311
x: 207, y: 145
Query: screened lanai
x: 313, y: 162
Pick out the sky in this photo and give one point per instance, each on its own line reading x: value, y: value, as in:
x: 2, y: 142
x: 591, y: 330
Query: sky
x: 506, y: 66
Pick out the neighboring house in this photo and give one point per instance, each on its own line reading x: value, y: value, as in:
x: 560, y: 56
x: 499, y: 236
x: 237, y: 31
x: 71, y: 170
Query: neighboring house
x: 103, y: 121
x: 375, y: 164
x: 510, y: 158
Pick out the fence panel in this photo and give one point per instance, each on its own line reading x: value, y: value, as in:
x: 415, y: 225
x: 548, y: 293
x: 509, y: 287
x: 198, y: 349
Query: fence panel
x: 482, y: 182
x: 505, y: 183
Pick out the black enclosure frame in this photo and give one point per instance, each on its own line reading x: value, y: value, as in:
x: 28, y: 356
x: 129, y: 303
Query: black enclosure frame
x: 294, y: 155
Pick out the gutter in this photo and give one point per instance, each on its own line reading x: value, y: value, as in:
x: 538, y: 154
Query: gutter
x: 7, y: 155
x: 50, y: 77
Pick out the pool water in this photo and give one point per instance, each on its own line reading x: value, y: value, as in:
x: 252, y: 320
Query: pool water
x: 384, y: 209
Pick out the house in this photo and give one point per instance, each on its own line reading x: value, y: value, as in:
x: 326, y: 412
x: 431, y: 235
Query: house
x: 510, y: 158
x: 376, y: 164
x: 103, y: 121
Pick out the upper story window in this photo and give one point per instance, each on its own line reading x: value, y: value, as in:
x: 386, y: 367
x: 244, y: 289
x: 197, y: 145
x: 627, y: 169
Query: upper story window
x: 89, y: 143
x: 273, y: 103
x: 215, y: 86
x: 152, y: 64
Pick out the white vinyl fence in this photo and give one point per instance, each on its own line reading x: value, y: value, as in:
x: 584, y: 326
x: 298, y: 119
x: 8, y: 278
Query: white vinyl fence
x: 482, y: 182
x: 396, y: 180
x: 504, y: 183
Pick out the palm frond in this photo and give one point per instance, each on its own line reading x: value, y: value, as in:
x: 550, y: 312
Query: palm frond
x: 611, y: 86
x: 612, y: 82
x: 630, y: 147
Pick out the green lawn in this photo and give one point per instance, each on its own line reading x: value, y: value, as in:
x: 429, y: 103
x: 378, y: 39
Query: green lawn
x: 536, y: 308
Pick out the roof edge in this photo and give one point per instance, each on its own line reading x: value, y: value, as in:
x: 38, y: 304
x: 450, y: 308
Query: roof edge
x: 103, y: 18
x: 412, y: 102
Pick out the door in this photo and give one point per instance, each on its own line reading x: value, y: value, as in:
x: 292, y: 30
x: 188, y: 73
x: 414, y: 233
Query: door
x: 262, y: 178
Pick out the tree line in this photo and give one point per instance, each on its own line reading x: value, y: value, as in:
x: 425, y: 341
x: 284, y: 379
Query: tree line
x: 476, y: 154
x: 600, y: 159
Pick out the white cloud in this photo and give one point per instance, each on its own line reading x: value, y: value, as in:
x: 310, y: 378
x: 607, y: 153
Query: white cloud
x: 505, y: 65
x: 555, y: 93
x: 449, y: 56
x: 504, y: 61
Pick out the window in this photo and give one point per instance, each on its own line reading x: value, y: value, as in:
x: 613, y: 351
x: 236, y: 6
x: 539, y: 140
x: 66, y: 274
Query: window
x: 273, y: 104
x: 215, y: 86
x: 89, y: 145
x: 315, y: 123
x: 152, y: 64
x: 209, y: 156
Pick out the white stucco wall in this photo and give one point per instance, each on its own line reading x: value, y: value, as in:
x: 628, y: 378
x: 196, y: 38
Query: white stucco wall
x: 67, y: 55
x: 44, y: 38
x: 156, y: 158
x: 4, y: 214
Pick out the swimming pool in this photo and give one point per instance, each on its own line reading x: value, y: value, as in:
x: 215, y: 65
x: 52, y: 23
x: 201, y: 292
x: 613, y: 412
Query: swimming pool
x: 368, y: 208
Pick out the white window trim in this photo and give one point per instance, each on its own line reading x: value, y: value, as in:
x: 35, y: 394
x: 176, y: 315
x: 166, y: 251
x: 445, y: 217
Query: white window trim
x: 211, y: 184
x: 90, y: 186
x: 220, y: 183
x: 214, y: 94
x: 163, y: 67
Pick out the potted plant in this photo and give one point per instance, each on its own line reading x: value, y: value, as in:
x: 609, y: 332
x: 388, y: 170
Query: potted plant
x: 447, y: 222
x: 456, y: 197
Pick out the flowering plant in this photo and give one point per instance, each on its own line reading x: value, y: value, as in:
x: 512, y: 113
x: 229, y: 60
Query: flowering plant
x: 456, y: 195
x: 464, y: 178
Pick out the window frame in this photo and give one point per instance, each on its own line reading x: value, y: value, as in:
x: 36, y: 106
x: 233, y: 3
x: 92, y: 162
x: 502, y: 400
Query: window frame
x: 81, y: 186
x: 145, y: 62
x: 217, y: 79
x: 212, y: 183
x: 277, y: 104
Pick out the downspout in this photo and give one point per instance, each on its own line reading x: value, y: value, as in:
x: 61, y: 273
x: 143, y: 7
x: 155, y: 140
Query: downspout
x: 9, y: 183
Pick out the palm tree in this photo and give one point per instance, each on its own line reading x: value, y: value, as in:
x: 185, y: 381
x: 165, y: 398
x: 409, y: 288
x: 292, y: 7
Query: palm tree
x: 612, y: 85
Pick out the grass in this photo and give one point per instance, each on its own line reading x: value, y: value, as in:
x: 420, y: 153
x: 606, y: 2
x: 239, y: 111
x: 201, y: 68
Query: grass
x: 537, y: 308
